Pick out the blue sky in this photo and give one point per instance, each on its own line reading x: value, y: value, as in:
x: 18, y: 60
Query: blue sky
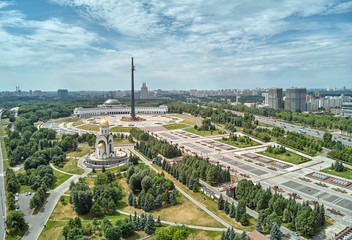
x: 176, y: 44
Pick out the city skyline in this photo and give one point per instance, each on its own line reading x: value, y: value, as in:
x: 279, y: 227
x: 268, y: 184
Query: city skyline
x: 56, y: 44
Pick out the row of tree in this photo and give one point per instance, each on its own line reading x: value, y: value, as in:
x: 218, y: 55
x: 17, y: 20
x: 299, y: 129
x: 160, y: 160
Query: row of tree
x: 197, y: 168
x: 239, y: 213
x: 151, y: 147
x: 274, y: 208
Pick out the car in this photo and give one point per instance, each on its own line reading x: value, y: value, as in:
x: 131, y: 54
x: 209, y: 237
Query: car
x: 17, y: 194
x: 26, y: 194
x: 349, y: 140
x: 17, y: 206
x: 29, y: 193
x: 294, y: 233
x: 16, y: 198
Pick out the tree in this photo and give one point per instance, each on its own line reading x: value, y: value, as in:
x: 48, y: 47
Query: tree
x: 173, y: 200
x: 158, y: 221
x: 258, y: 226
x: 158, y: 202
x: 15, y: 221
x: 221, y: 203
x: 130, y: 199
x: 82, y: 199
x: 149, y: 225
x: 226, y: 207
x: 237, y: 214
x: 93, y: 170
x: 275, y: 232
x: 244, y: 220
x: 146, y: 183
x: 232, y: 210
x: 96, y: 210
x: 112, y: 233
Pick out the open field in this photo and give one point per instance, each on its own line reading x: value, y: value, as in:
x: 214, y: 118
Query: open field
x: 205, y: 133
x: 120, y: 129
x: 176, y: 126
x: 346, y: 173
x: 80, y: 152
x: 70, y: 166
x: 59, y: 178
x: 184, y: 212
x: 292, y: 158
x: 89, y: 127
x: 238, y: 143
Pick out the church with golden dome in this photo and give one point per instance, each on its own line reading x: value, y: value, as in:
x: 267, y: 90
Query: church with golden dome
x: 104, y: 144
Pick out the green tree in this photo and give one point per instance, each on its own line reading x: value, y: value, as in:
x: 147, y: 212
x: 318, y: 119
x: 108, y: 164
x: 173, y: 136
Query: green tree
x: 15, y: 221
x: 258, y: 226
x: 244, y: 220
x: 232, y: 210
x: 173, y: 200
x: 221, y: 203
x: 275, y: 232
x: 113, y: 233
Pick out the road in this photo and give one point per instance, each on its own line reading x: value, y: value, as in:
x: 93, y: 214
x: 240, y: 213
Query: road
x: 2, y: 193
x: 299, y: 129
x: 37, y: 222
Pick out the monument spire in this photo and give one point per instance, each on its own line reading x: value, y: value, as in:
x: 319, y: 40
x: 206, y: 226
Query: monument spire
x: 133, y: 114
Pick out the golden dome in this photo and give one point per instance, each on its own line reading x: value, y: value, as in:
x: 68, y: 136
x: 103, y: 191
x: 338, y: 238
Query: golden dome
x: 102, y: 144
x: 104, y: 122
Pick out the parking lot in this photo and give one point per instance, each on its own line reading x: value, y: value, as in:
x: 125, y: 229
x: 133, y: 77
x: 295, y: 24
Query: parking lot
x: 23, y: 202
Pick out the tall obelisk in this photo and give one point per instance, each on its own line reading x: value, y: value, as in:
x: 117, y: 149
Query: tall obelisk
x: 133, y: 114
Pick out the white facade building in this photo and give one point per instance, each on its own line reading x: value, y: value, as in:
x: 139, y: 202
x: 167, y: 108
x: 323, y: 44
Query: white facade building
x: 114, y: 107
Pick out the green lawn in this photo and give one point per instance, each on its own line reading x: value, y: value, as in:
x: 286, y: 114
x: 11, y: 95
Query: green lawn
x: 346, y: 173
x: 293, y: 158
x: 89, y: 127
x: 238, y: 143
x: 70, y: 166
x: 120, y: 129
x: 80, y: 152
x: 176, y: 126
x: 205, y: 133
x: 59, y: 178
x: 121, y: 141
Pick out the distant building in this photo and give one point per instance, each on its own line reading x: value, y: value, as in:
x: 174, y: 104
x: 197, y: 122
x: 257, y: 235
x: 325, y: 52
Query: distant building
x: 144, y: 91
x: 114, y: 107
x: 296, y: 99
x: 275, y: 98
x: 346, y: 109
x: 37, y: 93
x: 62, y: 93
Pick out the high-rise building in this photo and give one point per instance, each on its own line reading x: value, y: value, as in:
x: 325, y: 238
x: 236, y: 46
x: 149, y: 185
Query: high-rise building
x: 347, y: 109
x: 296, y: 99
x: 275, y: 98
x: 62, y: 93
x: 144, y: 91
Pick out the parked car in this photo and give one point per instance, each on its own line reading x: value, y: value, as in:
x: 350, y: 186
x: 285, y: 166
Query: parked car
x: 17, y: 206
x: 29, y: 193
x: 17, y: 194
x: 16, y: 198
x: 26, y: 194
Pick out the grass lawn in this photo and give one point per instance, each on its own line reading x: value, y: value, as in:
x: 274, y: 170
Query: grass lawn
x: 238, y: 143
x: 70, y: 166
x: 211, y: 205
x: 205, y: 133
x: 121, y: 141
x: 176, y: 126
x: 80, y: 152
x: 89, y: 127
x: 3, y: 148
x: 25, y: 188
x: 184, y: 212
x: 346, y: 173
x: 120, y: 129
x: 59, y: 178
x: 293, y: 158
x: 67, y: 120
x: 187, y: 120
x: 75, y: 124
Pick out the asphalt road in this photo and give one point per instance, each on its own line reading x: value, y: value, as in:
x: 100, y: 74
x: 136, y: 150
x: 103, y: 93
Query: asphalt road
x: 2, y: 193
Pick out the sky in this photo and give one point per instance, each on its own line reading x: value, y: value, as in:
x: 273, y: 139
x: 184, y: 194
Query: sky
x: 176, y: 44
